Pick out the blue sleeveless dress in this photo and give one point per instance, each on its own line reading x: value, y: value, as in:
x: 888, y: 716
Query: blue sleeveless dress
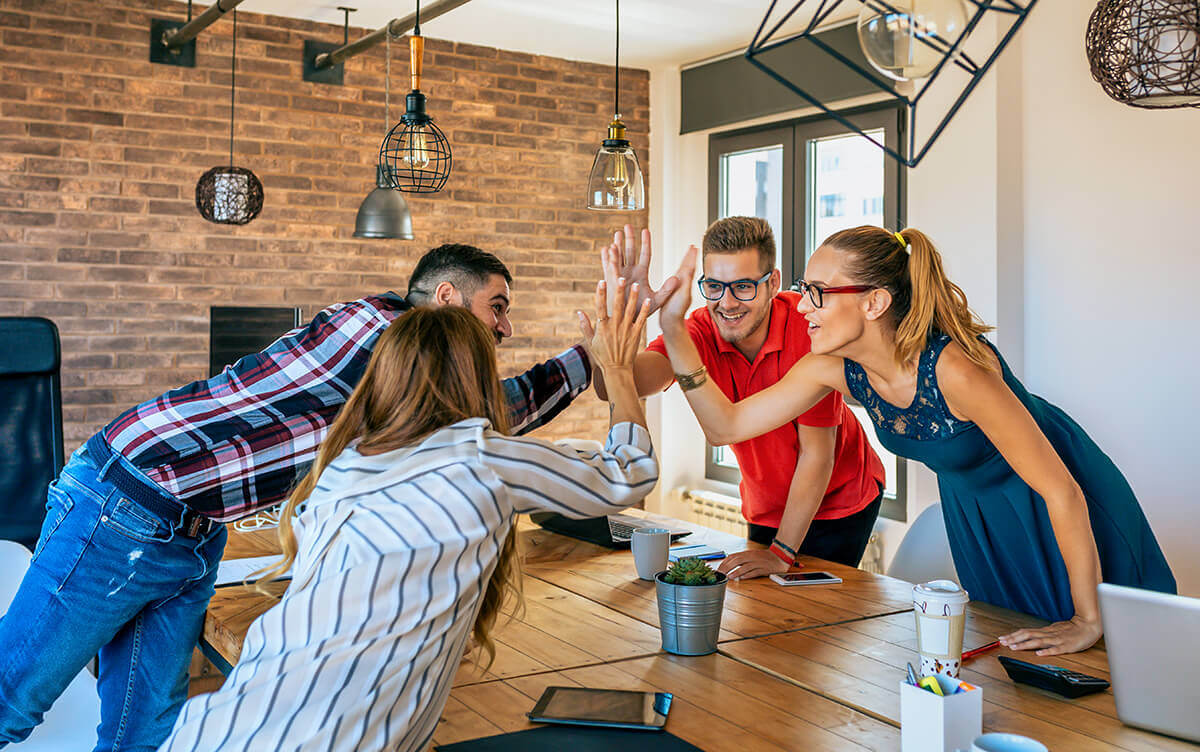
x: 1000, y: 534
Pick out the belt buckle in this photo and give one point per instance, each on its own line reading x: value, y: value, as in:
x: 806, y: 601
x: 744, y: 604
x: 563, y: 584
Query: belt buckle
x: 195, y: 525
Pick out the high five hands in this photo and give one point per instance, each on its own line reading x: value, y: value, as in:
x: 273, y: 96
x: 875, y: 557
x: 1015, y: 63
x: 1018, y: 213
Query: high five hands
x: 618, y: 259
x: 615, y: 340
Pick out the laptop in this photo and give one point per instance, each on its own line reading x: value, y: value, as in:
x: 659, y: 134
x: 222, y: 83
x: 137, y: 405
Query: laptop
x: 1152, y: 655
x: 613, y: 531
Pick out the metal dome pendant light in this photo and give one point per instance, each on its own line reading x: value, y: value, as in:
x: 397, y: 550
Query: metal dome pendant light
x: 415, y: 155
x: 1146, y: 53
x: 615, y: 182
x: 230, y: 195
x: 384, y: 212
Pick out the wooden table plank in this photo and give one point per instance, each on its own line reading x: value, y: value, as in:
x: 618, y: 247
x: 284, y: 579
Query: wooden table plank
x: 861, y: 664
x: 752, y: 607
x: 719, y: 704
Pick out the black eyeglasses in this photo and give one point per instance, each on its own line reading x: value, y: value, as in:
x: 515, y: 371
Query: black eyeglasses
x: 816, y: 295
x: 744, y: 290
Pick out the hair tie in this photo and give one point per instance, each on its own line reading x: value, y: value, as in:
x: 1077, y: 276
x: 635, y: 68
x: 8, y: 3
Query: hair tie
x: 903, y: 242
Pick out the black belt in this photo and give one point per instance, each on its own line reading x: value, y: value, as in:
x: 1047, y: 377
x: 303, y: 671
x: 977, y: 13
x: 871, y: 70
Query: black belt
x: 183, y: 519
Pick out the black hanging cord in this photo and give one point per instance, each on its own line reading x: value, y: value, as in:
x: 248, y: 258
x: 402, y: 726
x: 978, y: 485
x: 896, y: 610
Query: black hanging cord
x: 387, y: 78
x: 417, y: 21
x: 617, y: 65
x: 189, y: 11
x: 232, y: 85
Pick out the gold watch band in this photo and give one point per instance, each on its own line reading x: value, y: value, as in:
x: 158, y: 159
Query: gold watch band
x: 689, y: 381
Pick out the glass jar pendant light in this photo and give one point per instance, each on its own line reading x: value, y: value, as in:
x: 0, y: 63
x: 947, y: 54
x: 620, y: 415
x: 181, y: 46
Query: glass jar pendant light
x: 230, y: 195
x: 615, y: 182
x: 415, y: 154
x: 384, y: 212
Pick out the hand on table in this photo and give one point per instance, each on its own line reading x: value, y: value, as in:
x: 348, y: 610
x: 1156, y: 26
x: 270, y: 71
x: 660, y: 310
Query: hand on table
x: 747, y: 564
x: 1057, y: 638
x: 618, y: 260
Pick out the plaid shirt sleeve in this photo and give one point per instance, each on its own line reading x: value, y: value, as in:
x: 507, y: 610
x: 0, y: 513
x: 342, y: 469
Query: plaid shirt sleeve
x: 545, y: 390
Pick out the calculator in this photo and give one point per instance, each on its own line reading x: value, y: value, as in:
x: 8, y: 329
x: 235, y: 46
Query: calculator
x: 1054, y: 679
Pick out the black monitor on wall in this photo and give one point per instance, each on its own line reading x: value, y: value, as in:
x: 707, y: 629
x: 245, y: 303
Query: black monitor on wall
x: 237, y: 331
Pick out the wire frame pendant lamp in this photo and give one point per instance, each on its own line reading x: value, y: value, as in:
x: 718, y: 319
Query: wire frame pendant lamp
x: 1146, y: 53
x: 384, y: 213
x: 615, y: 182
x: 230, y: 195
x: 415, y: 155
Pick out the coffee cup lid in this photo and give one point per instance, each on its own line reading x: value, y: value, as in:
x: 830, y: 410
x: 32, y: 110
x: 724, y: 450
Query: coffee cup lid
x: 944, y: 589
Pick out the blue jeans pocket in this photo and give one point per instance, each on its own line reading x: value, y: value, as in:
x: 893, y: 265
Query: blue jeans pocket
x: 132, y: 521
x: 58, y: 503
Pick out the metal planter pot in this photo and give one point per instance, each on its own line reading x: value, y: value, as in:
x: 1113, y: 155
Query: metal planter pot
x: 690, y: 615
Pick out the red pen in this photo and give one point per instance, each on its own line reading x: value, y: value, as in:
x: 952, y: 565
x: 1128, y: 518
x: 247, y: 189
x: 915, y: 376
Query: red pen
x: 968, y: 654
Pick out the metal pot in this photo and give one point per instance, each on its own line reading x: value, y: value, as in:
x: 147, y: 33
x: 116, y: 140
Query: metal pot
x: 690, y: 615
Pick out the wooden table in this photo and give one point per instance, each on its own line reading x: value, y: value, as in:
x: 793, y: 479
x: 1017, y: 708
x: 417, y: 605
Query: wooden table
x: 861, y: 664
x: 810, y: 668
x: 753, y: 608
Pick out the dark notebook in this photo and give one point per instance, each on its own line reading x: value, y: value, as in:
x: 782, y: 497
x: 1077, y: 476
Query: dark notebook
x: 575, y: 739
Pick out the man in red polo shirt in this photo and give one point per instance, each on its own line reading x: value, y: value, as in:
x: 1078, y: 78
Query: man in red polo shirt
x: 812, y: 486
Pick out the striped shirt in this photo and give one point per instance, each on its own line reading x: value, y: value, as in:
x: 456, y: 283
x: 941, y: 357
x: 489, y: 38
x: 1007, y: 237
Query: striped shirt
x: 395, y: 552
x: 236, y: 443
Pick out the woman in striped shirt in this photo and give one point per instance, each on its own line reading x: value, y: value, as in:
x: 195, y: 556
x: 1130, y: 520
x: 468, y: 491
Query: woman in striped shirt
x: 401, y: 539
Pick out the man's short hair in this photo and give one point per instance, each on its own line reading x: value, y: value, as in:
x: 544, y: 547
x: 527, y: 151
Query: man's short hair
x: 464, y: 266
x: 734, y: 234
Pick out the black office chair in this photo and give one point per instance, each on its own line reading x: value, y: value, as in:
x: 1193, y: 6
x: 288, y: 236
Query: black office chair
x: 31, y: 432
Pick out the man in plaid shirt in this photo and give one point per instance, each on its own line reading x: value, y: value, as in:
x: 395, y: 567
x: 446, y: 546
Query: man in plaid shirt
x: 128, y: 554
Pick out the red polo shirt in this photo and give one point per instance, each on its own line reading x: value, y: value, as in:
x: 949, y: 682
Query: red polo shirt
x: 768, y: 462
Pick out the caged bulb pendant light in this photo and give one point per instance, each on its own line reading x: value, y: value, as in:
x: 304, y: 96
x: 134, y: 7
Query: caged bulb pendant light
x: 384, y: 212
x: 415, y: 155
x: 230, y: 195
x: 615, y: 182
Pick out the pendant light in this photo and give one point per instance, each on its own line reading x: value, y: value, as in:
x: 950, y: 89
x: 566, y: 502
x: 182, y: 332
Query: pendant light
x: 230, y: 195
x: 415, y: 155
x: 384, y: 212
x: 1146, y: 53
x: 615, y: 182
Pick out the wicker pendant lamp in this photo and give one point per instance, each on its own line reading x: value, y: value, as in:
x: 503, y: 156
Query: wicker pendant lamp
x: 230, y: 195
x: 1146, y: 53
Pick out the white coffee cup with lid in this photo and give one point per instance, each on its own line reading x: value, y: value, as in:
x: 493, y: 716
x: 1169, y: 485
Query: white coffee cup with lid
x: 940, y: 608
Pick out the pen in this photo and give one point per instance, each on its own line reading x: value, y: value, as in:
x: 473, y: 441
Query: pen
x: 968, y: 654
x: 912, y: 675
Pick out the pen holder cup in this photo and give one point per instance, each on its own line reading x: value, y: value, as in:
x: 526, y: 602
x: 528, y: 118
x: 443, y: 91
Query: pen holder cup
x: 939, y: 724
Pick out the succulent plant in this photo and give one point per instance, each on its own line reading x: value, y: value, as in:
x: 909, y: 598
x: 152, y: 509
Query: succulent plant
x: 690, y: 571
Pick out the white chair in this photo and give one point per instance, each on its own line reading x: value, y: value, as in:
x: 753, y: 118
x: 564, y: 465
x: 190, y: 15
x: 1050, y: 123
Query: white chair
x: 71, y: 723
x: 924, y: 554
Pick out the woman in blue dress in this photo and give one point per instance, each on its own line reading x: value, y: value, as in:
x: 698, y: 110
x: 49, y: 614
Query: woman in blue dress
x: 1037, y: 515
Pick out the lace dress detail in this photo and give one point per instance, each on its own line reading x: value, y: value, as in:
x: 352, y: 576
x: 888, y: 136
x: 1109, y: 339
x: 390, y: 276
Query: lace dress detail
x: 927, y: 418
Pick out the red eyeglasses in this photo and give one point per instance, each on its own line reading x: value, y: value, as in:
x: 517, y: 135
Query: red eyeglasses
x: 817, y: 294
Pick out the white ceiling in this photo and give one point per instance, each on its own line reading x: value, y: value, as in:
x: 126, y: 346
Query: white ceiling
x: 653, y: 32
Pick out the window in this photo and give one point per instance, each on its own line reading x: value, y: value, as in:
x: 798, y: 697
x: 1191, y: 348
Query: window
x: 833, y: 205
x: 808, y: 179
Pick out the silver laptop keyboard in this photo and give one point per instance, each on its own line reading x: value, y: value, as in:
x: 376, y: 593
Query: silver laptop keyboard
x: 619, y: 530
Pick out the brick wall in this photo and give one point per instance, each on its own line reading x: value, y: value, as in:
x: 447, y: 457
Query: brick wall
x: 100, y: 151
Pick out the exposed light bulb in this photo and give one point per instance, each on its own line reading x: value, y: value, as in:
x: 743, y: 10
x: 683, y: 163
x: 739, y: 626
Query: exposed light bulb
x: 616, y: 176
x: 907, y: 39
x: 416, y: 156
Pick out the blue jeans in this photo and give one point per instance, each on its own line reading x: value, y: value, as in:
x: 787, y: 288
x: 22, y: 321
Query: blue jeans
x: 107, y: 577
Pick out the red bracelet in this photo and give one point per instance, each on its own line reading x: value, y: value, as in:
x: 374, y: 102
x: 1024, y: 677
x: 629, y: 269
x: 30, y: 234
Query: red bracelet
x: 778, y: 551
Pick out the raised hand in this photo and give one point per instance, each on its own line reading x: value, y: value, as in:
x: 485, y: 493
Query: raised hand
x: 619, y: 260
x: 615, y: 339
x: 676, y: 306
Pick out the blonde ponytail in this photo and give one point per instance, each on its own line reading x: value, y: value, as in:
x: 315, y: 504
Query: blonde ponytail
x: 907, y: 265
x: 936, y: 302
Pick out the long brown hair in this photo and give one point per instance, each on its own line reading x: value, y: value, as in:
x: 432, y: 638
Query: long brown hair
x: 923, y: 298
x: 432, y: 367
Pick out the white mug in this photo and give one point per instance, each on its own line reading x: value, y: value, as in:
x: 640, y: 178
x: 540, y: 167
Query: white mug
x: 649, y: 546
x: 1006, y: 743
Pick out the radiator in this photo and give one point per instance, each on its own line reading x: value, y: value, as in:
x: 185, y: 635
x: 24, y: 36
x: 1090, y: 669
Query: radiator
x: 714, y: 510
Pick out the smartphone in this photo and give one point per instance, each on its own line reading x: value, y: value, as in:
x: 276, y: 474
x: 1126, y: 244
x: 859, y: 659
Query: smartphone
x: 805, y: 578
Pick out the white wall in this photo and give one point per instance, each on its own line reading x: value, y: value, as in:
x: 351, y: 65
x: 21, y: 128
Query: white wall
x: 1066, y: 218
